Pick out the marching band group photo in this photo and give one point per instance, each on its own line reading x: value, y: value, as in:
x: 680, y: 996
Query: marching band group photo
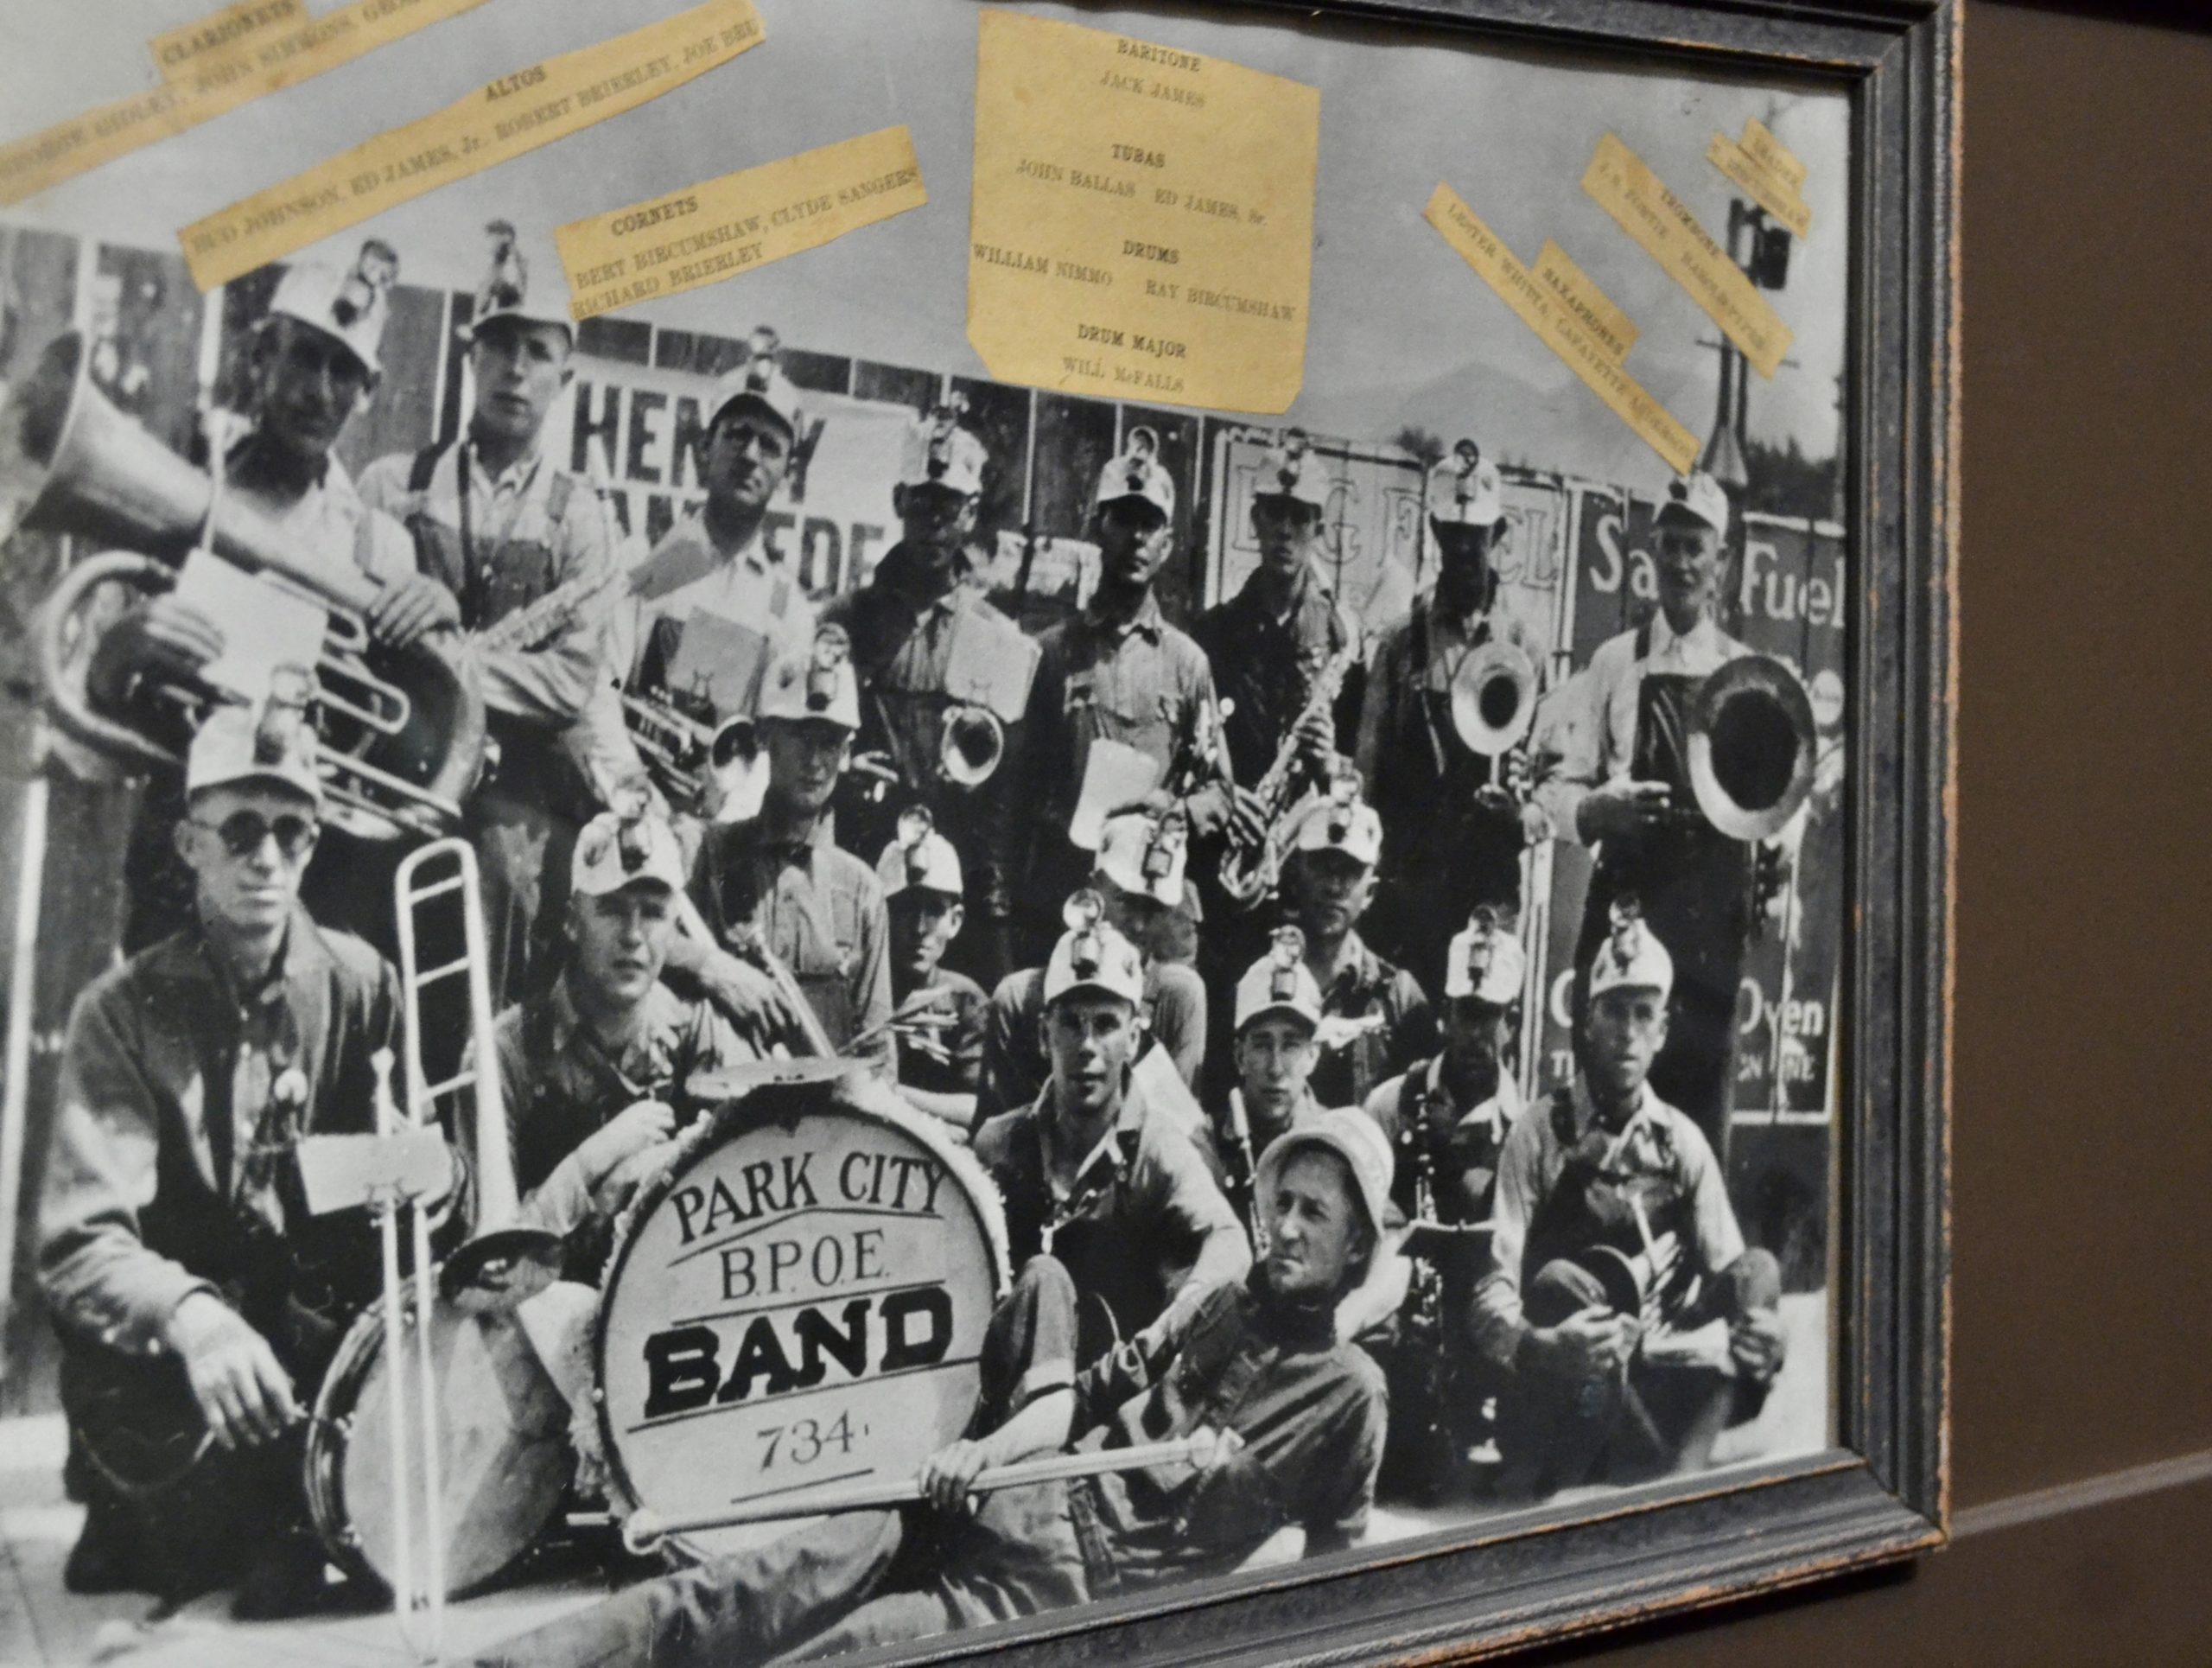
x: 495, y: 863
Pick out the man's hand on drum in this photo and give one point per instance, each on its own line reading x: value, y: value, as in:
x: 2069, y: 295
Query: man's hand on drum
x: 162, y: 638
x: 243, y: 1392
x: 948, y: 1474
x: 611, y: 1192
x: 642, y: 1124
x: 410, y: 609
x: 752, y: 1002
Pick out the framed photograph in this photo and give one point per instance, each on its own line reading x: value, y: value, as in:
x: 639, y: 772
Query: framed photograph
x: 1071, y: 831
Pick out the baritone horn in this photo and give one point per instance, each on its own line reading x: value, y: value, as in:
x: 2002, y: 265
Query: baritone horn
x: 1752, y: 745
x: 970, y: 746
x: 1493, y: 697
x: 403, y: 730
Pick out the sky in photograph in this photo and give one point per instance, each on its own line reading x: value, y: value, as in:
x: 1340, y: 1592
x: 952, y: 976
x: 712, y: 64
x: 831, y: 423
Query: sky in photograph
x: 1402, y: 331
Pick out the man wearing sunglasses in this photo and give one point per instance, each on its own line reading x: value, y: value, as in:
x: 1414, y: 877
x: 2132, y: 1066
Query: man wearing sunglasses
x: 920, y: 637
x: 198, y: 1300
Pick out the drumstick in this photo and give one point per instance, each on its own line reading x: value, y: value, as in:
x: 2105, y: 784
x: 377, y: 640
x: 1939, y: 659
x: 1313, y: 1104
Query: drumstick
x: 647, y: 1528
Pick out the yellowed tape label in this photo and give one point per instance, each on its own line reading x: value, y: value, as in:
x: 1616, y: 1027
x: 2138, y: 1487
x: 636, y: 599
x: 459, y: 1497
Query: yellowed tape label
x: 1542, y: 309
x: 1764, y: 186
x: 221, y: 34
x: 719, y: 228
x: 1142, y: 220
x: 1620, y: 184
x: 1772, y: 153
x: 218, y: 83
x: 503, y: 119
x: 1606, y: 324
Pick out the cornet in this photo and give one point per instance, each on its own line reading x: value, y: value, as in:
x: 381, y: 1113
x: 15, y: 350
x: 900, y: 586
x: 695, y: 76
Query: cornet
x: 402, y: 730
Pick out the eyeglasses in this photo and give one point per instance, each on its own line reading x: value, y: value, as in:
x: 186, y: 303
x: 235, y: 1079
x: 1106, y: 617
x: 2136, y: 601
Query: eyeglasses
x: 243, y: 831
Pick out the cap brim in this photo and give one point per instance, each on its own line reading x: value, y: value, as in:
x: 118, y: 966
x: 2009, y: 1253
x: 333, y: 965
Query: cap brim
x: 368, y: 364
x: 1312, y: 1020
x: 747, y: 397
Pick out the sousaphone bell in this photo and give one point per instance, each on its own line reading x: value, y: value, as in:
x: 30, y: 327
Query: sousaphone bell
x: 1751, y: 747
x: 1493, y: 697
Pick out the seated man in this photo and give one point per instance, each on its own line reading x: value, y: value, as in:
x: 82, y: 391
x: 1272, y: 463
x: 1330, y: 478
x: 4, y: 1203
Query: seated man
x: 940, y: 1045
x: 1614, y: 1252
x: 1139, y: 875
x: 199, y: 1303
x: 1447, y: 1119
x: 596, y: 1071
x: 1303, y: 1413
x: 1278, y: 1012
x: 1092, y: 1172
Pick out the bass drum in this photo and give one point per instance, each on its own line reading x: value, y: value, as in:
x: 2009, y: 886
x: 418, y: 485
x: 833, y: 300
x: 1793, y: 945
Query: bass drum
x: 798, y: 1299
x: 504, y: 1453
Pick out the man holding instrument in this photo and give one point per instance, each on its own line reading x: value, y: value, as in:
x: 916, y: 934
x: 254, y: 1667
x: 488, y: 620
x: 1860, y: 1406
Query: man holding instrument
x: 503, y: 528
x: 1299, y: 1417
x: 197, y: 1301
x: 1615, y: 1256
x: 596, y: 1070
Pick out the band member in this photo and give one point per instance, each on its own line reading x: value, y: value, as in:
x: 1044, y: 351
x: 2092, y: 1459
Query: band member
x: 1142, y: 861
x: 1302, y: 1415
x: 311, y: 365
x: 1374, y: 1020
x: 596, y: 1071
x: 715, y: 565
x: 198, y: 1303
x: 1447, y: 1119
x: 1118, y: 672
x: 1456, y: 819
x: 1278, y: 1012
x: 930, y: 653
x: 505, y: 529
x: 1614, y: 1245
x: 1092, y: 1172
x: 1624, y: 786
x: 776, y: 884
x: 940, y: 1046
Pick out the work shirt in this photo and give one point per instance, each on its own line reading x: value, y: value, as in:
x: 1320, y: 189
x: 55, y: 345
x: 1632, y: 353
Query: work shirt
x: 1658, y: 1156
x: 1144, y: 1228
x: 563, y: 1084
x: 688, y: 573
x: 902, y: 649
x: 818, y: 910
x: 1310, y: 1412
x: 1596, y: 735
x: 181, y: 1096
x: 1394, y: 1025
x: 528, y: 531
x: 333, y: 523
x: 1268, y: 666
x: 946, y: 1059
x: 1016, y: 1065
x: 1140, y: 681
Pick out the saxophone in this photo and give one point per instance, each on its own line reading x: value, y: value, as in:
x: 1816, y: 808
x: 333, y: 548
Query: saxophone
x: 536, y: 624
x: 1249, y: 872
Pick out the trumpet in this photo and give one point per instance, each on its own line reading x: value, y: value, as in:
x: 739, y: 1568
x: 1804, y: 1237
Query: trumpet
x: 1493, y: 698
x: 970, y: 746
x: 704, y: 768
x: 403, y: 730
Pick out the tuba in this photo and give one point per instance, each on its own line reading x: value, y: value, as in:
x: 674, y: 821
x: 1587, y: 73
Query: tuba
x: 1493, y: 697
x: 1751, y: 747
x: 403, y: 730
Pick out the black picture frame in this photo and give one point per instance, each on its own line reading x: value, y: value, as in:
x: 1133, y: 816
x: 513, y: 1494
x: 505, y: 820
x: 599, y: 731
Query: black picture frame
x: 1881, y: 1493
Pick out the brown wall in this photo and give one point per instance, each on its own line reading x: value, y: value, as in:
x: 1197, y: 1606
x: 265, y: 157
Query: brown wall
x: 2083, y: 1135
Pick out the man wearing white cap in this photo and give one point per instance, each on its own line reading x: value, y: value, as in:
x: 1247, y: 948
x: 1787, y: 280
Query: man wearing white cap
x: 1454, y: 816
x: 197, y: 1301
x: 1119, y: 672
x: 941, y: 1045
x: 1376, y: 1019
x: 1301, y: 1416
x: 1092, y: 1172
x: 1270, y: 644
x: 597, y: 1068
x: 714, y: 572
x: 930, y: 651
x: 1621, y: 784
x: 1278, y: 1013
x: 1143, y: 857
x: 504, y: 528
x: 311, y: 364
x: 778, y: 882
x: 1615, y: 1256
